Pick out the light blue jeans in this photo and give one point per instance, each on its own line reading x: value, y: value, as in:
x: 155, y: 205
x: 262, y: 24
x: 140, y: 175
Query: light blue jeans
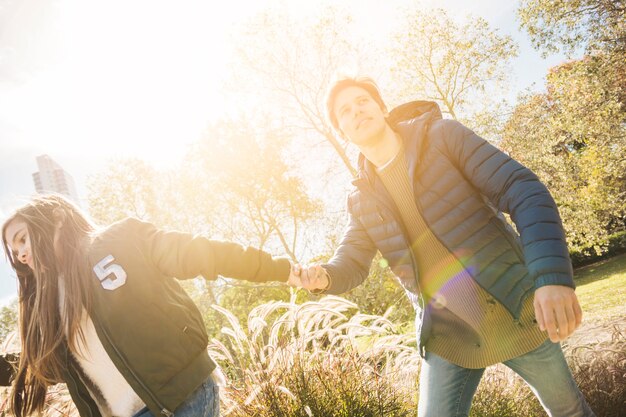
x: 203, y: 402
x: 446, y: 390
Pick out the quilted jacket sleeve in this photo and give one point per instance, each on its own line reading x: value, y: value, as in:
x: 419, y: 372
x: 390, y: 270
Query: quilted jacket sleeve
x: 516, y: 190
x: 184, y: 255
x: 352, y: 259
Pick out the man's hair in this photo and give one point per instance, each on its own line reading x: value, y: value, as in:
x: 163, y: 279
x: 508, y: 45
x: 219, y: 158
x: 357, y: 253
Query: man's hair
x: 344, y: 82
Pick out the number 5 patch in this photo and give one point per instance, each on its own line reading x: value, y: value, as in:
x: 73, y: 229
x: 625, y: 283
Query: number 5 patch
x: 111, y: 276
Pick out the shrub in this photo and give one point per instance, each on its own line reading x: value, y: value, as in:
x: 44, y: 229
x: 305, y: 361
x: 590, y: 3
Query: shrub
x: 615, y: 245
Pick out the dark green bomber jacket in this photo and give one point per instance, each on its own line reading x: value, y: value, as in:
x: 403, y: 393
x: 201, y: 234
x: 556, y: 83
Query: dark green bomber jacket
x: 148, y: 325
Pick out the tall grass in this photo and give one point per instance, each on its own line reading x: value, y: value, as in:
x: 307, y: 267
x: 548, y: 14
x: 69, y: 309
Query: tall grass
x: 316, y: 359
x: 325, y: 358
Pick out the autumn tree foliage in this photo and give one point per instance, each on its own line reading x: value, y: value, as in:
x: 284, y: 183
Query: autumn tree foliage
x: 574, y: 134
x: 574, y: 137
x: 462, y: 64
x: 596, y: 25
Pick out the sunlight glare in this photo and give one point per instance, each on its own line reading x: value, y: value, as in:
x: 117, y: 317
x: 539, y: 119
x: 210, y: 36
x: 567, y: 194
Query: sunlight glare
x: 128, y: 78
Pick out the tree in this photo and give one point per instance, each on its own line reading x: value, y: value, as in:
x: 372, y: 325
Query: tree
x: 586, y: 100
x: 8, y: 320
x: 574, y: 137
x: 131, y: 187
x: 555, y: 25
x: 289, y: 61
x: 127, y: 187
x: 598, y: 26
x: 233, y: 185
x: 241, y: 161
x: 458, y: 65
x: 262, y: 204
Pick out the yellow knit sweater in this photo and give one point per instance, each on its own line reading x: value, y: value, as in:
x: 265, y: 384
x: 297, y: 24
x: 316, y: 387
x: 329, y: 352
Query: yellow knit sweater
x: 469, y: 327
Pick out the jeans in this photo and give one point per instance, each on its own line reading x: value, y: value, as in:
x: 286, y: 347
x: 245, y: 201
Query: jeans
x: 203, y: 402
x: 446, y: 390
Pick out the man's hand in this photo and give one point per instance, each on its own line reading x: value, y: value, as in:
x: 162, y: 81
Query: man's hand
x: 314, y: 278
x: 294, y: 276
x: 557, y: 311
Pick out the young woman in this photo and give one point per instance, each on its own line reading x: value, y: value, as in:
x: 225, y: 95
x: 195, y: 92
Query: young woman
x: 101, y: 311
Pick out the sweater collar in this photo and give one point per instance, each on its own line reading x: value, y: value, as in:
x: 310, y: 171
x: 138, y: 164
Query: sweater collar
x: 411, y: 120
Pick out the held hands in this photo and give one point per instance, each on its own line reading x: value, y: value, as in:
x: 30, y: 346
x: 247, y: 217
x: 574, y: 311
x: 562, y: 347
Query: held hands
x: 294, y: 276
x: 312, y: 278
x: 557, y: 311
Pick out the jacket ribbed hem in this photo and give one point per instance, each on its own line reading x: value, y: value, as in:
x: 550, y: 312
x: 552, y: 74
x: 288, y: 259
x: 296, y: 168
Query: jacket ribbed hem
x: 177, y: 389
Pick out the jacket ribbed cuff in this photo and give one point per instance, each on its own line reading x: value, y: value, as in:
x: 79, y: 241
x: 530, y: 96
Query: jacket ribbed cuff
x: 283, y: 269
x: 555, y: 279
x: 332, y: 284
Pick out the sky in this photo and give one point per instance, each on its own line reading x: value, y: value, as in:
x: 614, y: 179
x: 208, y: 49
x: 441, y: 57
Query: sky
x: 85, y: 81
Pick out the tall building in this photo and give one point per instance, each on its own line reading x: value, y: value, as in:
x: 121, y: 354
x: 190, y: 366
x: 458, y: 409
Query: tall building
x: 52, y: 178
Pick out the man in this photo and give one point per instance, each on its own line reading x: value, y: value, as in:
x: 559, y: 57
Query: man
x: 429, y: 197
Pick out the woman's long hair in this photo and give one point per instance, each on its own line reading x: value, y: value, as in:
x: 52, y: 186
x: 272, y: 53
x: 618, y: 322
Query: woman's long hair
x: 59, y: 238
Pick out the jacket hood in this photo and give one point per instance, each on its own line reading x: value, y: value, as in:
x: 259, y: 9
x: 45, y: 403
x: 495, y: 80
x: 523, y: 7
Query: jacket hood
x: 411, y: 120
x: 408, y: 112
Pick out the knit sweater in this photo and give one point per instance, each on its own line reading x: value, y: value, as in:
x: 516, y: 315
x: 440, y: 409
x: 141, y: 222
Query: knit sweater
x: 469, y: 327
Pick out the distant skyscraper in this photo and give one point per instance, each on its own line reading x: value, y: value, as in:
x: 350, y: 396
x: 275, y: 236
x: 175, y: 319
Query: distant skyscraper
x: 52, y: 178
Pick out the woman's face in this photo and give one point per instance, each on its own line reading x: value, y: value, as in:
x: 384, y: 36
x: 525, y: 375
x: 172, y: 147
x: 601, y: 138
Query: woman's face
x: 18, y: 240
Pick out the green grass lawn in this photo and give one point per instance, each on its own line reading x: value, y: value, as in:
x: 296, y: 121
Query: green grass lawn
x: 601, y: 287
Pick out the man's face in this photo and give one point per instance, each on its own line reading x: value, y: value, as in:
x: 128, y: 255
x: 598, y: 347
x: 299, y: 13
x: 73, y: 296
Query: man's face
x: 360, y: 118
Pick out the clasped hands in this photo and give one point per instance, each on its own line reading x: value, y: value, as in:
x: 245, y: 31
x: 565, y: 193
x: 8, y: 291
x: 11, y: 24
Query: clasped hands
x: 312, y: 277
